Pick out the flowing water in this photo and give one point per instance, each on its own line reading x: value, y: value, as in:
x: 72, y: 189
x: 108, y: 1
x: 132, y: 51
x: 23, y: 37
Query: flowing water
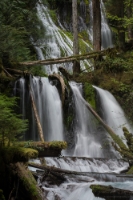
x: 111, y: 112
x: 56, y: 43
x: 106, y: 34
x: 91, y: 140
x: 95, y: 170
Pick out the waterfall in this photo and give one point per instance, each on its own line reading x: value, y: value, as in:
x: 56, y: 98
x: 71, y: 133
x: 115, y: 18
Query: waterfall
x: 56, y: 43
x: 90, y: 139
x: 106, y: 35
x: 49, y: 108
x: 48, y: 105
x: 105, y: 29
x: 111, y: 112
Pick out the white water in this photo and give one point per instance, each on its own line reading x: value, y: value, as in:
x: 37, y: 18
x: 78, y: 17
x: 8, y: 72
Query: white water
x: 106, y: 34
x: 85, y: 129
x: 55, y: 44
x: 50, y: 112
x: 112, y: 112
x: 49, y: 108
x: 77, y: 187
x: 90, y: 140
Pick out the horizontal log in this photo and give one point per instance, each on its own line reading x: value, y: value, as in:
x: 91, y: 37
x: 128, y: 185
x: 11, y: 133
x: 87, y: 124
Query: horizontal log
x: 68, y: 59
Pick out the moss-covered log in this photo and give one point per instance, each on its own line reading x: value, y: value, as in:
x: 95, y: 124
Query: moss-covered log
x: 45, y: 149
x: 18, y: 154
x: 109, y: 192
x: 28, y: 185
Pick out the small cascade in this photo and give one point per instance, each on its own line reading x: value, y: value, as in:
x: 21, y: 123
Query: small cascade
x: 54, y: 44
x: 105, y: 30
x: 89, y: 138
x: 111, y: 112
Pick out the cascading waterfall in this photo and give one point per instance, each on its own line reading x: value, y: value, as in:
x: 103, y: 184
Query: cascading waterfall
x: 49, y: 108
x: 111, y: 112
x: 105, y: 29
x: 48, y: 105
x: 56, y: 43
x: 91, y: 138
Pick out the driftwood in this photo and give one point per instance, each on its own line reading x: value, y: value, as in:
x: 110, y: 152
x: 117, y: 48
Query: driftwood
x: 27, y: 183
x: 62, y: 83
x: 68, y: 59
x: 40, y: 131
x: 109, y: 192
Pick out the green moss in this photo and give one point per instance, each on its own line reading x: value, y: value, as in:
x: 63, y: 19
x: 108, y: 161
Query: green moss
x: 89, y: 94
x: 53, y: 15
x: 13, y: 154
x: 130, y: 171
x: 32, y: 186
x: 43, y: 145
x: 58, y: 144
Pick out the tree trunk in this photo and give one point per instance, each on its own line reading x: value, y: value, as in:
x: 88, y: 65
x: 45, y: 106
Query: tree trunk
x: 121, y: 31
x: 96, y: 25
x: 129, y: 15
x: 27, y: 182
x: 40, y: 131
x: 76, y: 64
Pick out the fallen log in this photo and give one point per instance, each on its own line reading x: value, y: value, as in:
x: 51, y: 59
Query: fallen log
x: 20, y: 72
x: 68, y: 59
x: 40, y: 131
x: 109, y: 192
x: 62, y: 83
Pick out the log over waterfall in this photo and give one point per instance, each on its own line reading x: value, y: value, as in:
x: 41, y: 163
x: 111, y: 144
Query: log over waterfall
x: 70, y: 58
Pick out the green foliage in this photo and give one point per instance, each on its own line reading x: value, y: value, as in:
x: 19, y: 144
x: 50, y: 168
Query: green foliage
x: 19, y: 23
x: 38, y: 71
x: 10, y: 123
x: 89, y: 94
x: 17, y: 153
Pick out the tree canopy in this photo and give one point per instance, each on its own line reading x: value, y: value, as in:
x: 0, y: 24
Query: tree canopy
x: 11, y: 124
